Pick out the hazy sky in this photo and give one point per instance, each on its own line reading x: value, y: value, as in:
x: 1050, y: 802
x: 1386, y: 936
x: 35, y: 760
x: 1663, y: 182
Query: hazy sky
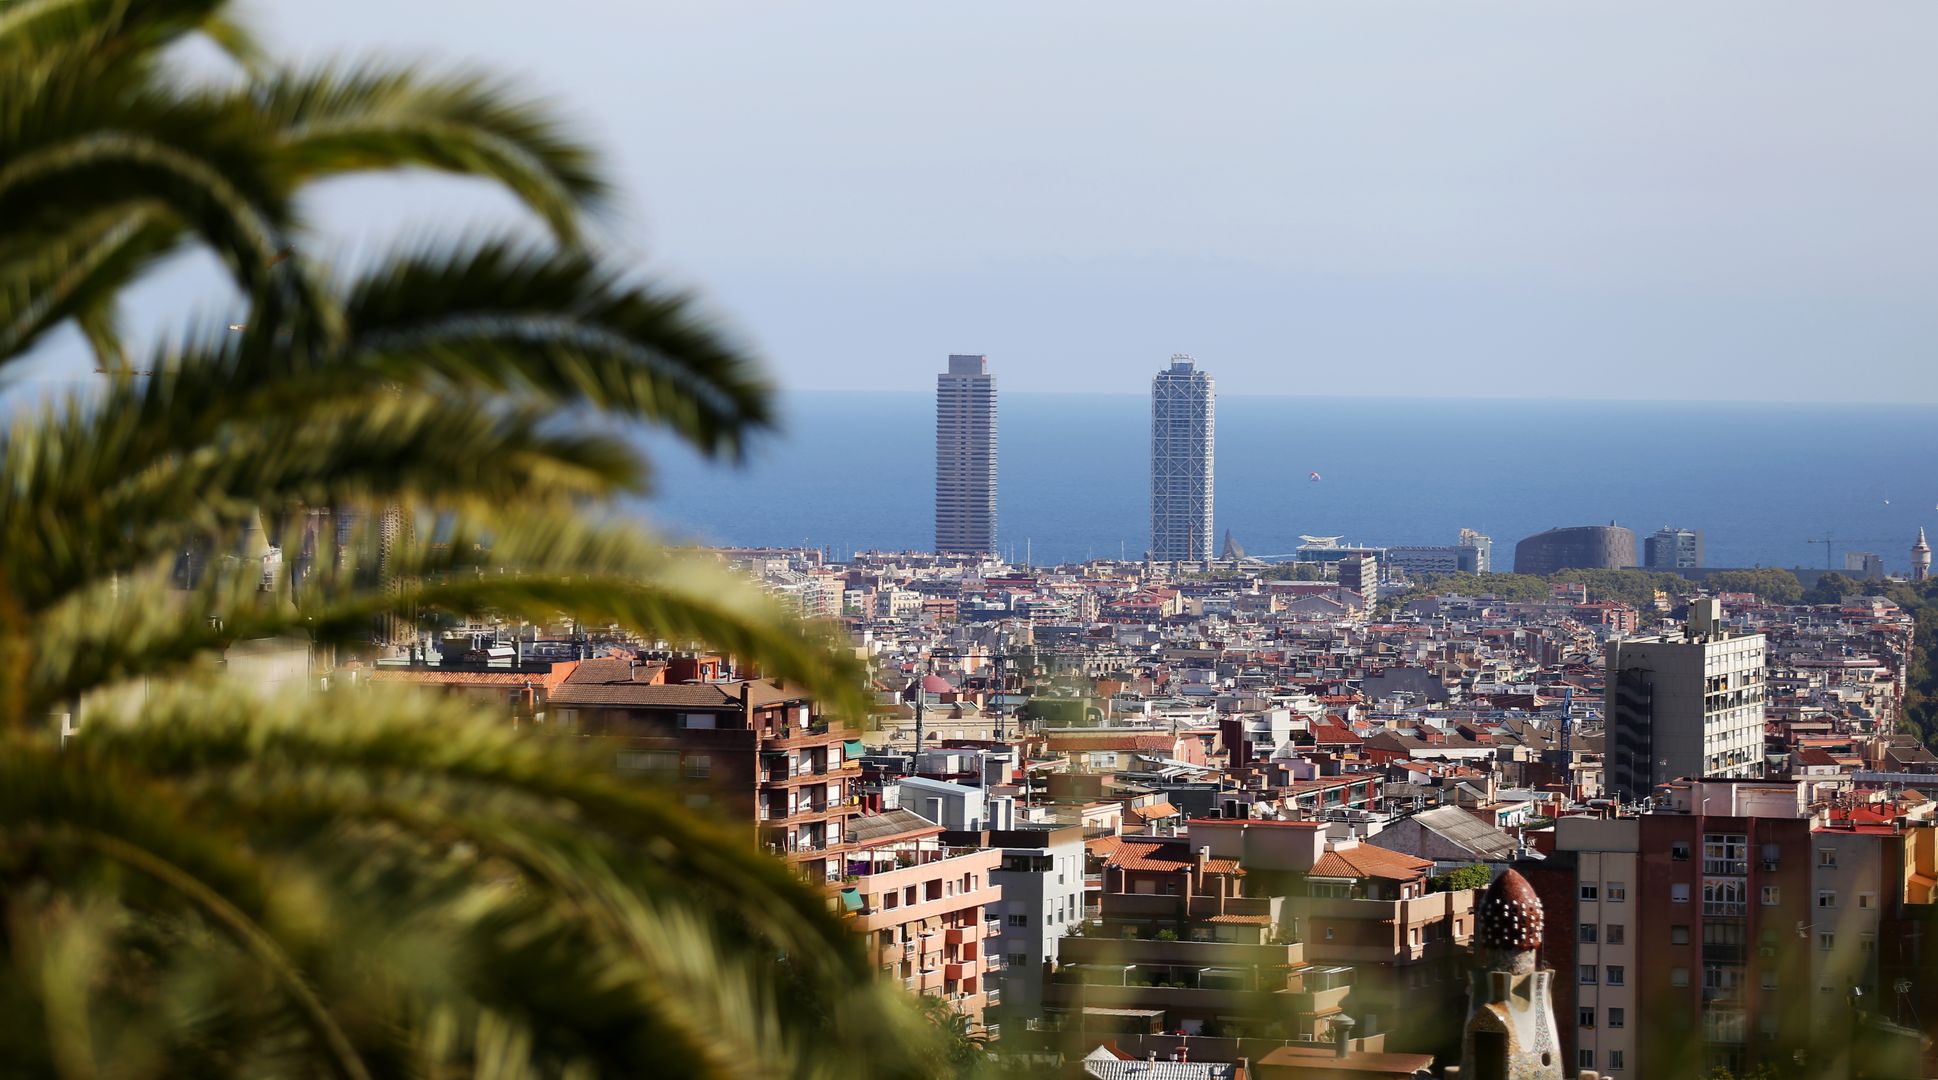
x: 1712, y: 200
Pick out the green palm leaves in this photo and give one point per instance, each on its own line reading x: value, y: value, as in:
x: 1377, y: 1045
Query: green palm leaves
x: 209, y: 882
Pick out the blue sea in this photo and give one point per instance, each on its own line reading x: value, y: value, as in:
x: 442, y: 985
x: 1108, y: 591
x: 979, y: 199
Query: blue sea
x: 854, y: 471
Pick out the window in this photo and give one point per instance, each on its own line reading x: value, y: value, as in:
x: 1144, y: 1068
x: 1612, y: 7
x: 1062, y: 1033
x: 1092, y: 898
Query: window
x: 1679, y: 976
x: 1616, y: 975
x: 697, y: 721
x: 1617, y: 1016
x: 1617, y: 892
x: 1585, y: 1017
x: 1679, y: 893
x: 1772, y: 895
x: 1679, y: 934
x: 1826, y: 898
x: 1679, y: 851
x: 1725, y: 896
x: 1767, y: 980
x: 1725, y: 853
x: 1588, y: 973
x: 1826, y: 856
x: 1866, y: 900
x: 1616, y: 934
x: 1585, y: 933
x: 1615, y: 1061
x: 638, y: 761
x: 1590, y: 892
x: 1019, y: 920
x: 1585, y: 1058
x: 1826, y: 941
x: 699, y: 766
x: 1328, y: 933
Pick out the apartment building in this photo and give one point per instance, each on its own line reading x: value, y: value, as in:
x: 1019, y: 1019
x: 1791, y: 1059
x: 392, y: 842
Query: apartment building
x: 929, y: 909
x: 1684, y: 705
x: 753, y: 750
x: 1360, y: 907
x: 1042, y: 878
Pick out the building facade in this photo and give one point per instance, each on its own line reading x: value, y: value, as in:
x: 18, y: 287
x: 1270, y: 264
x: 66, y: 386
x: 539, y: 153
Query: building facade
x: 1687, y: 705
x: 965, y: 457
x: 1476, y: 551
x: 1673, y: 549
x: 750, y: 750
x: 927, y: 909
x: 1183, y: 435
x: 1581, y: 547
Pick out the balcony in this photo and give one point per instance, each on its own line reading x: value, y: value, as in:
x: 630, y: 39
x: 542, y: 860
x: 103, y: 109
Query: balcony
x: 960, y: 969
x: 1726, y: 908
x: 1726, y: 867
x: 796, y: 846
x: 817, y: 733
x: 957, y: 935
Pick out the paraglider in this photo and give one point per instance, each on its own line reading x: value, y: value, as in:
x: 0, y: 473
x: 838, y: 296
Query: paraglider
x: 1315, y: 477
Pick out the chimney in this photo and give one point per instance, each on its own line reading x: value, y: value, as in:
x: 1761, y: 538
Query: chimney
x: 1342, y: 1034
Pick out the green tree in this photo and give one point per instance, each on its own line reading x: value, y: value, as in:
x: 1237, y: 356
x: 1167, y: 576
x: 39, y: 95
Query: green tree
x: 1768, y: 583
x: 206, y: 882
x: 1832, y: 589
x: 1476, y: 876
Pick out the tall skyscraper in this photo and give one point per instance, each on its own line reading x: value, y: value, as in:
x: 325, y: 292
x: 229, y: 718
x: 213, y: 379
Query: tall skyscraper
x: 1684, y: 705
x: 1672, y: 549
x: 1182, y: 437
x: 965, y: 457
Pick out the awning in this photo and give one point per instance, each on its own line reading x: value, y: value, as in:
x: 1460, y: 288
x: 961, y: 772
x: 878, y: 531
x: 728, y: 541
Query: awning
x: 853, y: 749
x: 851, y: 899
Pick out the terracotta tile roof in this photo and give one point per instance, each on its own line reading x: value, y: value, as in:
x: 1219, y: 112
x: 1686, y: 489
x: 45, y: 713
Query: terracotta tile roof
x: 1334, y: 733
x: 1365, y: 861
x: 1157, y: 810
x: 1166, y: 858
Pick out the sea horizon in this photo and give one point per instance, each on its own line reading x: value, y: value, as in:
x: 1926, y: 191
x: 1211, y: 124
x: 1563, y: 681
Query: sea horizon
x: 853, y: 470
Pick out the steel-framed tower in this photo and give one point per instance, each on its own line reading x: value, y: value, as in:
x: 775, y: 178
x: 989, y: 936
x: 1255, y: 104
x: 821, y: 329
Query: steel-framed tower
x: 1183, y: 433
x: 965, y: 457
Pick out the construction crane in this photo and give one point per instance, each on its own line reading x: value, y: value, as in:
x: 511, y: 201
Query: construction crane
x: 1829, y: 541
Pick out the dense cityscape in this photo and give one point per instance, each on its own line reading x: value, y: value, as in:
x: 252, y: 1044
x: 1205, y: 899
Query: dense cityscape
x: 1249, y: 817
x: 440, y: 640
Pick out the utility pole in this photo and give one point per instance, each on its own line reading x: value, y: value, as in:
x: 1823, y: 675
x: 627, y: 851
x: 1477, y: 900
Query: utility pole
x: 921, y: 701
x: 1002, y: 686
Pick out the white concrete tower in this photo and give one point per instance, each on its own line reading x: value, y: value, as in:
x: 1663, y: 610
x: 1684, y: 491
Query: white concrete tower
x: 965, y: 457
x: 1183, y: 434
x: 1920, y: 557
